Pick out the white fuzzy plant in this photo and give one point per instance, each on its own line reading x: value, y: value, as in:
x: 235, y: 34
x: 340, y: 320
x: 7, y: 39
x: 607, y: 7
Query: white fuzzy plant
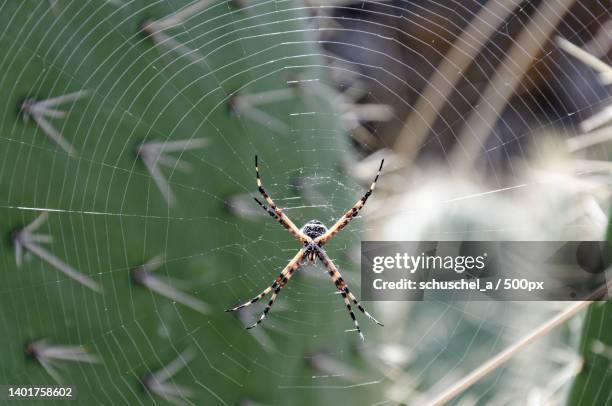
x: 555, y: 192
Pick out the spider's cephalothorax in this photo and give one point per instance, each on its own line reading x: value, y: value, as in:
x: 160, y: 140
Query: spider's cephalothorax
x: 313, y: 229
x: 313, y: 235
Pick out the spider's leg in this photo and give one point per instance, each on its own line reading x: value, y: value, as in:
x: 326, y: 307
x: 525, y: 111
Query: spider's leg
x: 268, y: 307
x: 350, y: 310
x: 350, y: 214
x: 275, y: 216
x: 269, y: 211
x: 344, y: 289
x: 280, y: 215
x: 359, y: 306
x: 291, y: 268
x: 256, y: 298
x: 282, y: 276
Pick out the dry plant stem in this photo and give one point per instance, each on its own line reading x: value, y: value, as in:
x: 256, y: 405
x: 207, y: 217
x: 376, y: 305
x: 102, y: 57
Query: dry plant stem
x: 505, y: 81
x: 336, y: 3
x: 166, y: 290
x: 597, y: 120
x: 61, y: 266
x: 448, y: 73
x: 591, y: 165
x: 601, y: 44
x: 50, y: 356
x: 52, y: 133
x: 145, y: 277
x: 154, y: 154
x: 264, y: 119
x: 584, y: 141
x: 584, y: 56
x: 173, y: 45
x: 157, y: 381
x: 267, y: 97
x: 38, y: 110
x: 183, y: 14
x: 504, y: 356
x: 27, y: 240
x: 246, y: 106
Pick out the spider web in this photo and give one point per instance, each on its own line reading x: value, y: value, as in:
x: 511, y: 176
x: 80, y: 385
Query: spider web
x: 107, y: 215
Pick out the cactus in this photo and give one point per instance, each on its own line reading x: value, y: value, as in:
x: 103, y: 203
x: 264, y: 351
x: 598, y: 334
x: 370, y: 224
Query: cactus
x: 592, y: 385
x: 82, y: 293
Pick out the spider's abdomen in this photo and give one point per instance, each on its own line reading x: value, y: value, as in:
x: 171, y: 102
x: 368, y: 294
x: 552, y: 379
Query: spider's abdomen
x: 314, y: 229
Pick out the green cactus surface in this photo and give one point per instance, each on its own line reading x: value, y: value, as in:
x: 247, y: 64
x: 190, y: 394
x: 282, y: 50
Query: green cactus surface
x: 592, y: 385
x: 106, y: 214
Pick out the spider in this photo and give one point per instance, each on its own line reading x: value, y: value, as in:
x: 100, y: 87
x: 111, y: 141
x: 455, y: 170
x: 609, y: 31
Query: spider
x: 313, y: 235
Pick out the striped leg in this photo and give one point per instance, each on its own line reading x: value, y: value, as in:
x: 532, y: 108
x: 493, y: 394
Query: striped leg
x: 359, y: 306
x: 269, y: 211
x: 344, y: 290
x: 281, y: 284
x: 291, y: 266
x: 350, y: 310
x: 272, y: 214
x: 349, y: 215
x: 280, y: 215
x: 258, y: 297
